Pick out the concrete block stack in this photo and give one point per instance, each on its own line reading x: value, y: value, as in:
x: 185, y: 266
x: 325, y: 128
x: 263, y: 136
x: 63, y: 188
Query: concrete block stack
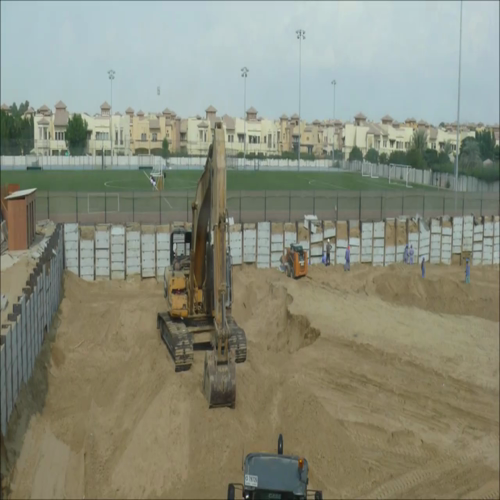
x: 118, y: 252
x: 468, y: 233
x: 303, y: 237
x: 366, y: 242
x: 263, y: 245
x: 316, y: 240
x: 435, y: 241
x: 102, y: 251
x: 71, y: 238
x: 401, y: 238
x: 330, y: 233
x: 249, y: 243
x: 390, y: 241
x: 148, y: 252
x: 477, y: 245
x: 162, y: 249
x: 496, y: 239
x: 354, y: 241
x: 446, y: 239
x: 133, y: 250
x: 342, y: 241
x: 457, y: 233
x: 378, y: 243
x: 276, y: 244
x: 236, y: 243
x: 488, y: 241
x: 412, y: 232
x: 424, y: 242
x: 87, y: 255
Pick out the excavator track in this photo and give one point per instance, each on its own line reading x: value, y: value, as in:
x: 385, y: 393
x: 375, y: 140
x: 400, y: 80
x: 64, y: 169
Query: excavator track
x: 237, y: 340
x: 178, y: 339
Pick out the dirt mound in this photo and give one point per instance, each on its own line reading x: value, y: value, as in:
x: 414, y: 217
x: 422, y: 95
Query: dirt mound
x: 383, y: 401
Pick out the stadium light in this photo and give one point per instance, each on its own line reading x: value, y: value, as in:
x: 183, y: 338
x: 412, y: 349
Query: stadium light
x: 244, y: 74
x: 334, y: 83
x: 458, y: 105
x: 301, y: 35
x: 111, y: 76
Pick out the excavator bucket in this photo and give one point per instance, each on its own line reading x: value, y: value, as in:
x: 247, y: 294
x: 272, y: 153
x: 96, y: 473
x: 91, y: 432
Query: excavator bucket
x: 219, y: 380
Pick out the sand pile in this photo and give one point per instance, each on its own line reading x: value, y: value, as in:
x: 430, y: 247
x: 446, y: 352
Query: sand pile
x: 384, y: 401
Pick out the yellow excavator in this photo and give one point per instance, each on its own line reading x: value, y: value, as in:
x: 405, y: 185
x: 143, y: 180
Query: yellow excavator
x: 198, y: 287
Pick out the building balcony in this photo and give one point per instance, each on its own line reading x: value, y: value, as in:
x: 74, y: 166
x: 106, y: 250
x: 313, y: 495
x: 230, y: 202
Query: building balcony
x: 42, y: 143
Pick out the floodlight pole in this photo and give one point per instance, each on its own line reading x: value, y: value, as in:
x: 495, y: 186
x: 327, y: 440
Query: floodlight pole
x: 301, y: 35
x: 334, y: 83
x: 244, y: 74
x: 458, y: 105
x: 111, y: 75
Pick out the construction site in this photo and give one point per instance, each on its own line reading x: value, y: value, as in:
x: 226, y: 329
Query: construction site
x: 165, y: 361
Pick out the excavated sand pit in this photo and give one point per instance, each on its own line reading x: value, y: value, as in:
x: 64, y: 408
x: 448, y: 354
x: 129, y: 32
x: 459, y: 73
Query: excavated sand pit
x: 384, y: 400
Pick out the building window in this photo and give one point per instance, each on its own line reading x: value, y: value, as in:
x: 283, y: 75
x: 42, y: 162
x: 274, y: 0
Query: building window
x: 143, y: 137
x: 40, y: 133
x: 155, y: 136
x: 385, y: 143
x: 201, y: 135
x: 121, y: 137
x: 279, y: 133
x: 205, y: 137
x: 406, y: 145
x: 433, y: 145
x: 241, y: 138
x: 265, y: 140
x: 116, y: 137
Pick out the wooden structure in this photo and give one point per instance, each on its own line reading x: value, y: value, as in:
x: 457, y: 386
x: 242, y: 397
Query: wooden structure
x: 21, y: 218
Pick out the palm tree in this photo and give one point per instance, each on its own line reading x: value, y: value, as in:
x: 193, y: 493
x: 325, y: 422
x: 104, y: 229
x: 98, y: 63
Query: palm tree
x: 419, y: 140
x: 470, y: 156
x: 447, y: 148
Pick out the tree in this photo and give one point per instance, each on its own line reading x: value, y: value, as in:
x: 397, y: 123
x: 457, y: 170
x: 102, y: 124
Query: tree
x: 442, y: 125
x: 76, y: 135
x: 447, y: 148
x: 470, y: 156
x: 443, y: 158
x: 486, y: 141
x: 384, y: 159
x: 398, y: 158
x: 339, y: 154
x: 372, y: 156
x: 430, y: 156
x: 419, y: 140
x: 415, y: 159
x: 164, y: 149
x: 355, y: 154
x: 496, y: 153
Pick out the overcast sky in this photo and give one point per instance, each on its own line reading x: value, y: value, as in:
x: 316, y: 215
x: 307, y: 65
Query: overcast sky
x: 393, y: 57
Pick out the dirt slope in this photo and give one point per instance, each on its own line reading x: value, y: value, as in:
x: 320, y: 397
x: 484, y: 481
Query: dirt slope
x: 384, y: 400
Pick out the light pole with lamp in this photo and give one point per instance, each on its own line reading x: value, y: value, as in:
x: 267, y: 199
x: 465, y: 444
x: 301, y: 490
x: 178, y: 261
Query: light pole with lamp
x: 458, y: 106
x: 334, y: 83
x: 301, y: 35
x: 111, y: 75
x: 244, y: 74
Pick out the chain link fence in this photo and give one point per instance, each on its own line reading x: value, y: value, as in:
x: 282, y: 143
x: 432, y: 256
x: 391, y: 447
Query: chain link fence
x: 252, y: 206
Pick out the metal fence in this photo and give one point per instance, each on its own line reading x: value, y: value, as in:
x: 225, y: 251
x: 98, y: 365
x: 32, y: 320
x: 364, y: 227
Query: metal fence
x: 253, y: 206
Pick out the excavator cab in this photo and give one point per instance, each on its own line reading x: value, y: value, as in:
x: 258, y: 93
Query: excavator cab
x: 274, y: 476
x: 296, y: 261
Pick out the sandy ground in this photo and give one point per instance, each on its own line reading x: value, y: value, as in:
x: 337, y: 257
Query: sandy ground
x: 388, y: 384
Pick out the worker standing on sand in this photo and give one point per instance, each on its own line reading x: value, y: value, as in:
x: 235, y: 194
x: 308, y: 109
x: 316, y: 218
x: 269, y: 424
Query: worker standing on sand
x: 467, y: 271
x: 328, y: 250
x: 423, y: 267
x: 347, y: 265
x: 412, y: 252
x: 405, y: 255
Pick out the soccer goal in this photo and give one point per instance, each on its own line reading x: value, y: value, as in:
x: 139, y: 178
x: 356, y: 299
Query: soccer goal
x: 369, y: 170
x: 103, y: 202
x: 399, y: 174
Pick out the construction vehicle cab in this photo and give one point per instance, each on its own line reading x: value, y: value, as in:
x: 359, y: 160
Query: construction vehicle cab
x: 296, y: 261
x: 269, y: 476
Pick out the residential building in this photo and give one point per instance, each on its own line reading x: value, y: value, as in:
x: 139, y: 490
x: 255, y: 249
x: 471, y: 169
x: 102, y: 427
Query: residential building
x: 143, y: 133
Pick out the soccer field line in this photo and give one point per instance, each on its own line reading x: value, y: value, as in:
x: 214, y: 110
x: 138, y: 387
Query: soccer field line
x: 164, y: 197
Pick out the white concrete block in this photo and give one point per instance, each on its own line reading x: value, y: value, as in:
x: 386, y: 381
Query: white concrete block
x: 148, y: 247
x: 379, y: 234
x: 263, y: 265
x: 446, y: 240
x: 316, y: 260
x: 70, y: 227
x: 237, y: 260
x: 165, y: 237
x: 102, y: 254
x: 304, y: 244
x: 86, y: 254
x: 354, y: 242
x: 488, y: 229
x: 275, y: 238
x: 71, y: 245
x: 133, y: 270
x: 316, y: 238
x: 276, y: 247
x: 478, y: 237
x: 72, y: 263
x: 264, y: 226
x: 378, y: 260
x: 148, y: 238
x: 133, y: 245
x: 329, y: 233
x: 72, y: 254
x: 378, y: 252
x: 101, y: 239
x: 117, y: 257
x: 87, y: 262
x: 86, y: 244
x: 456, y: 249
x: 341, y: 243
x: 133, y: 262
x: 379, y: 226
x: 249, y: 257
x: 378, y: 243
x: 447, y: 231
x: 446, y: 249
x: 436, y: 238
x: 488, y: 242
x: 148, y: 272
x: 478, y: 229
x: 316, y: 250
x: 117, y: 266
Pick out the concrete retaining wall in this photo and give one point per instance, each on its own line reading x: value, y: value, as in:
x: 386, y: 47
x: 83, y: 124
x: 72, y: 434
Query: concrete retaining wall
x: 23, y: 334
x: 145, y: 250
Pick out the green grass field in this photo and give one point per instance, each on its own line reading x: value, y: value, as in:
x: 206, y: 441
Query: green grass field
x: 121, y: 181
